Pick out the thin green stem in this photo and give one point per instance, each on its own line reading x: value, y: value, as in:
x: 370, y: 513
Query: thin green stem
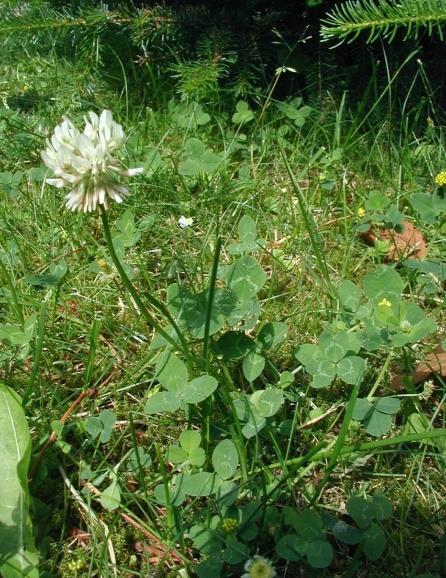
x: 210, y: 303
x: 311, y: 228
x: 380, y: 375
x: 136, y: 297
x: 12, y: 290
x: 339, y: 441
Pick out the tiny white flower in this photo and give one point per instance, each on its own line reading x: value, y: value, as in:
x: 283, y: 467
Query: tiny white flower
x: 259, y: 567
x: 84, y: 162
x: 184, y: 222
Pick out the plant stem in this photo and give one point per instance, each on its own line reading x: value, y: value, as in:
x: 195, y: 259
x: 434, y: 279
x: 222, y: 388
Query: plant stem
x: 380, y: 375
x: 137, y: 299
x: 210, y: 303
x: 311, y: 228
x: 339, y: 441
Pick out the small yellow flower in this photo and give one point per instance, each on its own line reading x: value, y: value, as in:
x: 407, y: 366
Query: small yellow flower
x: 361, y: 212
x: 385, y: 303
x: 228, y: 525
x: 440, y: 178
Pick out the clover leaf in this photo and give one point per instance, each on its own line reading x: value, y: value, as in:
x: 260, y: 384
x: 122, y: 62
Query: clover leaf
x: 198, y: 159
x: 188, y: 451
x: 172, y: 374
x: 244, y: 114
x: 377, y: 415
x: 247, y: 233
x: 295, y: 111
x: 308, y: 541
x: 333, y: 357
x: 190, y: 116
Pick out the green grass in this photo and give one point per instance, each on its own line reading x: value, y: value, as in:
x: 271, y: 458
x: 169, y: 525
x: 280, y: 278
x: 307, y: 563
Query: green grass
x: 88, y: 333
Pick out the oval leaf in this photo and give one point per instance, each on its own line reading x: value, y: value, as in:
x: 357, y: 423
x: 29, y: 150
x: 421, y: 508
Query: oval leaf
x: 225, y: 459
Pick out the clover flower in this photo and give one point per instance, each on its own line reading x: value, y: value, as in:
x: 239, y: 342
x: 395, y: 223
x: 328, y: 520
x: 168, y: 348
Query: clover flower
x: 361, y: 212
x: 185, y: 222
x: 84, y: 162
x: 440, y: 179
x: 259, y: 567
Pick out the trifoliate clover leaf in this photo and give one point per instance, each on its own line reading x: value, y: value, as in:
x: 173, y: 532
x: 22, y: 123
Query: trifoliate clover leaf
x: 198, y: 159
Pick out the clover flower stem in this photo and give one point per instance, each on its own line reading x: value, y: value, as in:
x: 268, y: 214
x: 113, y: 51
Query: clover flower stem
x: 137, y: 299
x: 11, y: 287
x: 380, y: 375
x: 339, y: 443
x: 210, y: 304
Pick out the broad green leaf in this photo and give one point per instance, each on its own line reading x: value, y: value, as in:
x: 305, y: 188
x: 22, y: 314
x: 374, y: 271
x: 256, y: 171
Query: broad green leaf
x: 101, y: 425
x: 235, y: 552
x: 428, y: 207
x: 128, y: 233
x: 111, y: 497
x: 18, y: 557
x: 346, y: 533
x: 234, y: 345
x: 162, y: 401
x: 254, y: 425
x: 319, y: 554
x: 376, y: 201
x: 247, y: 231
x: 307, y: 353
x: 191, y: 310
x: 209, y: 568
x: 268, y: 401
x: 374, y: 542
x: 225, y: 459
x: 197, y: 457
x: 201, y: 484
x: 199, y: 159
x: 253, y: 365
x: 175, y: 492
x: 291, y: 547
x: 93, y: 426
x: 139, y: 458
x: 351, y: 369
x: 308, y: 525
x: 199, y: 389
x: 377, y: 423
x: 246, y: 277
x: 227, y: 493
x: 418, y: 423
x: 323, y: 374
x: 362, y: 409
x: 171, y: 372
x: 190, y: 439
x: 387, y: 404
x: 272, y: 334
x: 349, y: 295
x: 335, y: 346
x: 383, y: 507
x: 13, y: 334
x: 190, y: 116
x: 361, y: 510
x: 206, y: 540
x: 176, y: 455
x: 243, y: 114
x: 383, y: 283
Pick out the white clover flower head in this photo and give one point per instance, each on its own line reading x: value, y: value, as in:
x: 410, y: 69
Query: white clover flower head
x: 259, y: 567
x: 84, y: 162
x: 184, y: 222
